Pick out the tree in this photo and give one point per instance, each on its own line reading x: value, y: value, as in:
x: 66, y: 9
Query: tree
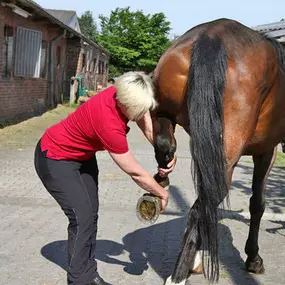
x: 135, y: 40
x: 174, y: 37
x: 88, y: 26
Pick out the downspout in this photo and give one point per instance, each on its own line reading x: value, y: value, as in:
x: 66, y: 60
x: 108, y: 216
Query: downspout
x: 51, y: 90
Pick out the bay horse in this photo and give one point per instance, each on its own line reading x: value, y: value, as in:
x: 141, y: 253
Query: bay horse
x: 224, y: 83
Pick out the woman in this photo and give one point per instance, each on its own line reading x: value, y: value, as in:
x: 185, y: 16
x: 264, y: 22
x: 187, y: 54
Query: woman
x: 66, y: 163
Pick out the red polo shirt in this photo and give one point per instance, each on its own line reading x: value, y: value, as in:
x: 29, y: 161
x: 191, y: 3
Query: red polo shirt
x: 96, y: 125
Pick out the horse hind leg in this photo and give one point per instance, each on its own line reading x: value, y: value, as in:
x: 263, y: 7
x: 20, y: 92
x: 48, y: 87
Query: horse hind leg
x: 170, y: 282
x: 197, y: 267
x: 262, y: 166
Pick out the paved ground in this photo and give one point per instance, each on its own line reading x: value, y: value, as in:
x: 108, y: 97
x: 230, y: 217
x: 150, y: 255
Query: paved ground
x: 33, y: 228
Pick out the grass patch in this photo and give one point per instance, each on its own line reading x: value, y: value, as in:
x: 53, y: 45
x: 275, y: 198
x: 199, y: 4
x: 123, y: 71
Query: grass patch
x: 224, y: 276
x: 72, y: 106
x: 280, y: 160
x: 29, y: 131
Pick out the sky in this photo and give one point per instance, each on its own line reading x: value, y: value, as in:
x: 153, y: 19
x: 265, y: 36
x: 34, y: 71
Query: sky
x: 183, y: 14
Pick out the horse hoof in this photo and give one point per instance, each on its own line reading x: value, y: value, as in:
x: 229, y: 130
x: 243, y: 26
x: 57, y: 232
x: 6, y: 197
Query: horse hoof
x: 255, y: 266
x: 197, y: 270
x: 169, y: 281
x: 197, y: 267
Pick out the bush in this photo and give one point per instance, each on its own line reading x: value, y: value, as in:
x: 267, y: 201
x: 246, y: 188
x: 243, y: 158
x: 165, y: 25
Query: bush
x: 114, y: 71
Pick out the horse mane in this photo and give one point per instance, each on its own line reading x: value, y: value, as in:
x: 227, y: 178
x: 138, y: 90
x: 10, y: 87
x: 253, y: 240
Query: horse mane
x: 280, y: 50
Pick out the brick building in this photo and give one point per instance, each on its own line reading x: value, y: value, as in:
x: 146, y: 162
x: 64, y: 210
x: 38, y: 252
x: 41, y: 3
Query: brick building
x: 40, y: 50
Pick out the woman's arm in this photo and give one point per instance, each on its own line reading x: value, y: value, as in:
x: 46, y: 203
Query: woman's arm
x: 146, y: 125
x: 130, y: 166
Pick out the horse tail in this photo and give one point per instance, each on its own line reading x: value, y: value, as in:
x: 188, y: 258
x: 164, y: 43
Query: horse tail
x: 205, y: 86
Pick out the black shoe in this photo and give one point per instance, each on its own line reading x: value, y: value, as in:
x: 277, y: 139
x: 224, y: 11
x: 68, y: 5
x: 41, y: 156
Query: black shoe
x: 98, y: 281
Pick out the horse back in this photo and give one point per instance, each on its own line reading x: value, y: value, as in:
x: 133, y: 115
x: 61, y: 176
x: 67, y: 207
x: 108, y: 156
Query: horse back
x: 254, y: 80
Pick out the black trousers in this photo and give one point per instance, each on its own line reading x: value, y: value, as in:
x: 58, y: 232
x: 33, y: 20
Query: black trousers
x: 74, y: 185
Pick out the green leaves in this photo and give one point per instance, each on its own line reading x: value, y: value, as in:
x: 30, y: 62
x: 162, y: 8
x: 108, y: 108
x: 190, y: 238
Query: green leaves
x: 135, y: 40
x: 88, y: 26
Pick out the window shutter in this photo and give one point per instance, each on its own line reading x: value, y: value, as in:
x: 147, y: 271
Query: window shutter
x: 27, y: 52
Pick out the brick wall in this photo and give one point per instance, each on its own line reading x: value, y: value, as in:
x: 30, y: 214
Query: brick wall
x: 2, y: 18
x: 72, y: 61
x: 73, y: 52
x: 23, y: 97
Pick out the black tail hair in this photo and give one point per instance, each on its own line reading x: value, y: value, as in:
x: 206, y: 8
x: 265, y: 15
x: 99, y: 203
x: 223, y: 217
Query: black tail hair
x: 206, y: 82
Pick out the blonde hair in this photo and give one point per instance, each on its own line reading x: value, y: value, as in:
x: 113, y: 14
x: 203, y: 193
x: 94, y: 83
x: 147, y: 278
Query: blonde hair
x: 135, y: 93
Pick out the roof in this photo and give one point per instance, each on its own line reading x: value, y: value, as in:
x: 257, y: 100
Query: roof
x: 270, y: 27
x: 62, y: 15
x: 36, y: 8
x: 275, y: 30
x: 69, y: 18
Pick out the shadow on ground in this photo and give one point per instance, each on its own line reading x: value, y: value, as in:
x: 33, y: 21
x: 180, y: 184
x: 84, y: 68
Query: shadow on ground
x: 158, y: 245
x: 275, y: 190
x: 145, y: 248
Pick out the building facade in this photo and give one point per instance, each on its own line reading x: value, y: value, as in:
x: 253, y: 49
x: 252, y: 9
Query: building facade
x: 39, y: 54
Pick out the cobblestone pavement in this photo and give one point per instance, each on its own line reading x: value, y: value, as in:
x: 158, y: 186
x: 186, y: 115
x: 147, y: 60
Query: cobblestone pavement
x: 33, y: 228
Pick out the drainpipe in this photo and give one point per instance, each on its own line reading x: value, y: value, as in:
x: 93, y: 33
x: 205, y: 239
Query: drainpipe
x: 51, y: 90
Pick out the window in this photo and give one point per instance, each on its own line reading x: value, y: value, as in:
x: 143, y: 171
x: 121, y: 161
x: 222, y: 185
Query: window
x: 8, y: 51
x: 25, y: 54
x: 88, y: 61
x: 43, y: 59
x: 100, y: 67
x: 83, y: 61
x: 58, y: 56
x: 28, y: 48
x: 94, y: 65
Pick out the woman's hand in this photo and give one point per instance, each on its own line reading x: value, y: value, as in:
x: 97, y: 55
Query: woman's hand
x: 170, y: 167
x: 164, y: 202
